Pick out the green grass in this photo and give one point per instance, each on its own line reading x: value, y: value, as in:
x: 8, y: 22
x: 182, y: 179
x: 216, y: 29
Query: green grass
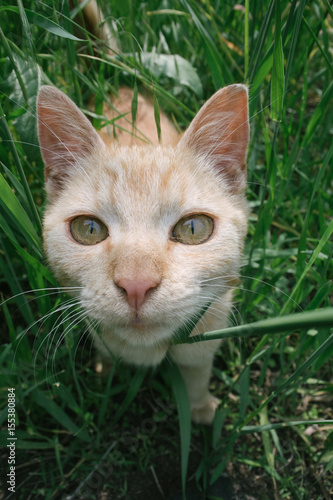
x: 78, y: 434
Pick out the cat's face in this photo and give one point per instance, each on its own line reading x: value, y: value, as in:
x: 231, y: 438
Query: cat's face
x: 144, y: 229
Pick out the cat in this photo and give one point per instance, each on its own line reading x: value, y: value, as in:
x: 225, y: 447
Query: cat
x: 148, y: 231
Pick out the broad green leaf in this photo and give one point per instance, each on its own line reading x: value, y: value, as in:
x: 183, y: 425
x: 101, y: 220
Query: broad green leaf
x: 174, y: 67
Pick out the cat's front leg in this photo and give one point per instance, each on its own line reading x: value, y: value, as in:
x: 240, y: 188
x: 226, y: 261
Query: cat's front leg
x: 195, y: 364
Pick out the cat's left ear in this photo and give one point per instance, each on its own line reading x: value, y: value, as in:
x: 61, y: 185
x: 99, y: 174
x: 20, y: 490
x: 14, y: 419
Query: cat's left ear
x: 66, y: 137
x: 219, y: 134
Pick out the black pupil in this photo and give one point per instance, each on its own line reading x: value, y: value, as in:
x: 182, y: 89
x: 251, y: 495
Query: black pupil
x: 91, y: 228
x: 192, y: 226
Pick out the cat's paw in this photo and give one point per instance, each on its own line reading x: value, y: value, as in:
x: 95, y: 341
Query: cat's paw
x: 205, y: 413
x: 103, y: 366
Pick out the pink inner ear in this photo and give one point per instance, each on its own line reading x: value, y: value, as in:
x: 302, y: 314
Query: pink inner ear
x: 65, y: 134
x: 220, y: 133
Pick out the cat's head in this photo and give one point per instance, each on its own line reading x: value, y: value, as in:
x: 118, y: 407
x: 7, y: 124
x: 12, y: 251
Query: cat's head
x: 150, y: 234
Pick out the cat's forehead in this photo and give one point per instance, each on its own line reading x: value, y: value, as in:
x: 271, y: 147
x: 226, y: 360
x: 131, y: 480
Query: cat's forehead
x: 156, y: 180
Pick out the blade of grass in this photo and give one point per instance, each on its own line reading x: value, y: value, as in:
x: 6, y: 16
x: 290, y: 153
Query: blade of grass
x: 249, y: 429
x: 321, y: 318
x: 157, y: 118
x: 212, y: 54
x: 184, y: 414
x: 43, y: 22
x: 318, y: 116
x: 218, y: 423
x: 287, y: 383
x: 277, y: 83
x: 105, y: 402
x: 134, y: 70
x: 59, y: 415
x: 301, y: 257
x: 184, y: 331
x: 71, y: 55
x: 18, y: 74
x: 326, y: 57
x: 246, y: 38
x: 322, y: 242
x: 295, y: 34
x: 131, y: 393
x: 244, y: 396
x: 10, y: 206
x: 25, y: 24
x: 10, y: 275
x: 134, y: 105
x: 258, y: 49
x: 24, y: 183
x: 268, y: 447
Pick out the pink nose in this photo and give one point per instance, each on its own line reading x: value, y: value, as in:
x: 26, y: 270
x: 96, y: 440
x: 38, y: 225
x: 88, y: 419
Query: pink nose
x: 136, y: 290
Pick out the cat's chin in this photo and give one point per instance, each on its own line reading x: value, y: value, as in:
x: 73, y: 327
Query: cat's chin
x: 144, y: 355
x: 137, y: 343
x: 134, y: 346
x: 138, y: 333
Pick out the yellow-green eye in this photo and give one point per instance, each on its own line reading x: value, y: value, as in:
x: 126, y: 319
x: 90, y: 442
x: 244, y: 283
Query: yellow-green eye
x: 88, y: 230
x: 193, y: 229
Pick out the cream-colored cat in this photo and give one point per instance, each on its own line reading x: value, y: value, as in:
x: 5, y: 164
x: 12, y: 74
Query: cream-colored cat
x: 149, y: 232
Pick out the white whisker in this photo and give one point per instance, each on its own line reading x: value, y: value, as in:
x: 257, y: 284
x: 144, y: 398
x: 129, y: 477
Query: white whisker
x: 33, y: 290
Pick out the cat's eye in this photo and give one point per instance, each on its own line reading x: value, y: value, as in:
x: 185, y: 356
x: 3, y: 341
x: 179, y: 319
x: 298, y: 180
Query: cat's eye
x: 193, y: 229
x: 88, y: 230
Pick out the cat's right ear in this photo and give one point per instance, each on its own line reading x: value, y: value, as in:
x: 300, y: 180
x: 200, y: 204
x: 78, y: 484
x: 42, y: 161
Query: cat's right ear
x: 219, y: 134
x: 66, y: 137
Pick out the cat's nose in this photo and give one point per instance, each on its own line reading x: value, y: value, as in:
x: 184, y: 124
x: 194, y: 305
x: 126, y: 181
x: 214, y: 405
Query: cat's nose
x: 136, y: 290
